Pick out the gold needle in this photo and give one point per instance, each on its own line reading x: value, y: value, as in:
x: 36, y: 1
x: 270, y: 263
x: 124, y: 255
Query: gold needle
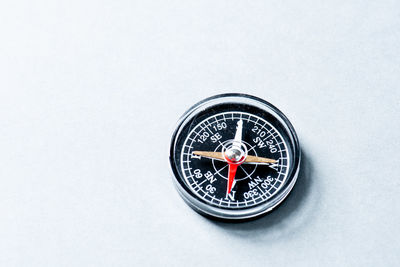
x: 219, y: 156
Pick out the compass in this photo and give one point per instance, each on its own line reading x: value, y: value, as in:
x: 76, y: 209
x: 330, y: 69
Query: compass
x: 234, y: 157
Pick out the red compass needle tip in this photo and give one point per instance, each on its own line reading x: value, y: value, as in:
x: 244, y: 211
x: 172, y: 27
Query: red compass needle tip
x: 231, y: 176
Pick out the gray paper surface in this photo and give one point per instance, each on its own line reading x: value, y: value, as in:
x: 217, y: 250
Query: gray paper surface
x: 89, y: 95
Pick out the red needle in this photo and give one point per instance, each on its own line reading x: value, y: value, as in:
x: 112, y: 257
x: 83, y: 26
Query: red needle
x: 232, y: 172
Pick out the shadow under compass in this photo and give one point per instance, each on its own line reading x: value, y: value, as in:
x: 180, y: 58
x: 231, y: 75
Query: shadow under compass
x: 287, y: 218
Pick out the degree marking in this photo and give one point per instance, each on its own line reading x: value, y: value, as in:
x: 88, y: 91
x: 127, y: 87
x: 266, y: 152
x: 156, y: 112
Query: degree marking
x: 208, y: 129
x: 262, y: 192
x: 198, y: 185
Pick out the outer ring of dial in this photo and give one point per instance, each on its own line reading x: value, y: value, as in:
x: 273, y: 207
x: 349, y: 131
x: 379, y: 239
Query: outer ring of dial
x: 231, y: 214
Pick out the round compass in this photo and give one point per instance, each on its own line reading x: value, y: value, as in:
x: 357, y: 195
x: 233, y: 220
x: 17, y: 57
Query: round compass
x: 234, y: 156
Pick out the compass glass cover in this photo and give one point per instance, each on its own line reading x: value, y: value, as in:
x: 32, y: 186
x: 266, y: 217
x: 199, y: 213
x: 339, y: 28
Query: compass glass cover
x: 219, y: 130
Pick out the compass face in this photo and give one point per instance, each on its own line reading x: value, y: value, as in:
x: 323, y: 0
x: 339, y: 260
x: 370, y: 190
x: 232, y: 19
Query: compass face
x: 234, y: 157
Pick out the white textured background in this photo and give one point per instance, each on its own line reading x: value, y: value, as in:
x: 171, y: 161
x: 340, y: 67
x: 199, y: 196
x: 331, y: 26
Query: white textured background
x: 90, y: 92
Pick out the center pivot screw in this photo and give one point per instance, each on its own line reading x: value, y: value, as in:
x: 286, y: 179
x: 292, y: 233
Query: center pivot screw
x: 234, y: 154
